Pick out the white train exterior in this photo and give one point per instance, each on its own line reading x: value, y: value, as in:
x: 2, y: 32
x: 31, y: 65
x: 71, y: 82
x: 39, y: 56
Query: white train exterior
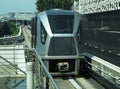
x: 55, y: 36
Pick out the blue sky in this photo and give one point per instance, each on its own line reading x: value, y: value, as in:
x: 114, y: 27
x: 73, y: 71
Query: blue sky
x: 17, y: 6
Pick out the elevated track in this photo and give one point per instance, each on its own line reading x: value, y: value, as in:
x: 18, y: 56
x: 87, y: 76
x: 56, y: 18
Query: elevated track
x: 15, y: 58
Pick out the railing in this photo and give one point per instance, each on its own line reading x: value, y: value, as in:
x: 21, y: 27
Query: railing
x: 42, y: 77
x: 105, y: 69
x: 12, y: 66
x: 13, y: 57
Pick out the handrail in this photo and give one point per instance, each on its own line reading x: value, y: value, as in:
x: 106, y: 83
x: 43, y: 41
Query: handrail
x: 42, y: 77
x: 46, y: 71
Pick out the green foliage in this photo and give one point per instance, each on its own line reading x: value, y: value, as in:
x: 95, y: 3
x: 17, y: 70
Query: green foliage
x: 13, y: 29
x: 50, y: 4
x: 8, y: 28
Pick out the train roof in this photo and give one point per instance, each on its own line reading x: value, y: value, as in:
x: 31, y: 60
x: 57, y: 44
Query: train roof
x: 59, y: 12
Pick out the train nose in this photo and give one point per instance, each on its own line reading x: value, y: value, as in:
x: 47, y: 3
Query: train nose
x: 61, y: 46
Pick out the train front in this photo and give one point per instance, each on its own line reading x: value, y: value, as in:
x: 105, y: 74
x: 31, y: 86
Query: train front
x: 63, y: 41
x: 63, y: 37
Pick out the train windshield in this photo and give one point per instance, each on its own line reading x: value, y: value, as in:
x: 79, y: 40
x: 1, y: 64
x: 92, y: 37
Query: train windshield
x: 61, y: 23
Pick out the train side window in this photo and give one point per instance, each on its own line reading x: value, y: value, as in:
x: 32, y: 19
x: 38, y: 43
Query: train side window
x: 43, y: 34
x: 34, y: 32
x: 78, y: 34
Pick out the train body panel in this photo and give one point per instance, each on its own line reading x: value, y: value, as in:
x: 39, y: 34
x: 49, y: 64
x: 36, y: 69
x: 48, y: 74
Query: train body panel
x: 57, y: 37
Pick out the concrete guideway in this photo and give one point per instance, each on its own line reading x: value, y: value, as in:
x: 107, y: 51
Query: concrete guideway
x: 72, y: 81
x: 88, y: 83
x: 77, y: 83
x: 27, y: 35
x: 63, y: 83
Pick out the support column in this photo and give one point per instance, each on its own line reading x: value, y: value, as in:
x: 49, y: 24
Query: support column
x: 29, y: 75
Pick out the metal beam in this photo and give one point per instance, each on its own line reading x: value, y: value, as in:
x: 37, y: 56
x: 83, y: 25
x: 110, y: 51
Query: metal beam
x: 12, y: 64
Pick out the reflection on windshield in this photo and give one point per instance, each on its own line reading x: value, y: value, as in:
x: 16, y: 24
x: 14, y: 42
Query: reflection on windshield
x: 61, y: 23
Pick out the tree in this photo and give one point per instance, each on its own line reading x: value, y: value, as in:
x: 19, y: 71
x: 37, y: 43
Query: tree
x: 50, y: 4
x: 8, y: 28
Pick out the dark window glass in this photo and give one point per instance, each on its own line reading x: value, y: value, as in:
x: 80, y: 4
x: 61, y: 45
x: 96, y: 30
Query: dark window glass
x: 43, y: 34
x: 78, y: 33
x: 61, y: 23
x: 34, y: 32
x: 61, y: 46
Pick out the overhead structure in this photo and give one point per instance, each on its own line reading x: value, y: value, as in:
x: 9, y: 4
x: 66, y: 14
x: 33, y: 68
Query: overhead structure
x: 93, y: 6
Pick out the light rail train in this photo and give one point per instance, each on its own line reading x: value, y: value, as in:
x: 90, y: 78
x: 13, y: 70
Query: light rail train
x: 56, y: 35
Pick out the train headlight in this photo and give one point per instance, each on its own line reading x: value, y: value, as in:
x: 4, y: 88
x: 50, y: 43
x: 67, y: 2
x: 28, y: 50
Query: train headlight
x: 63, y: 66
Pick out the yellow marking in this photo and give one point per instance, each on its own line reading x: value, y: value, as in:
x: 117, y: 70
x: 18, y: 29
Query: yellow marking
x: 52, y: 86
x: 72, y: 87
